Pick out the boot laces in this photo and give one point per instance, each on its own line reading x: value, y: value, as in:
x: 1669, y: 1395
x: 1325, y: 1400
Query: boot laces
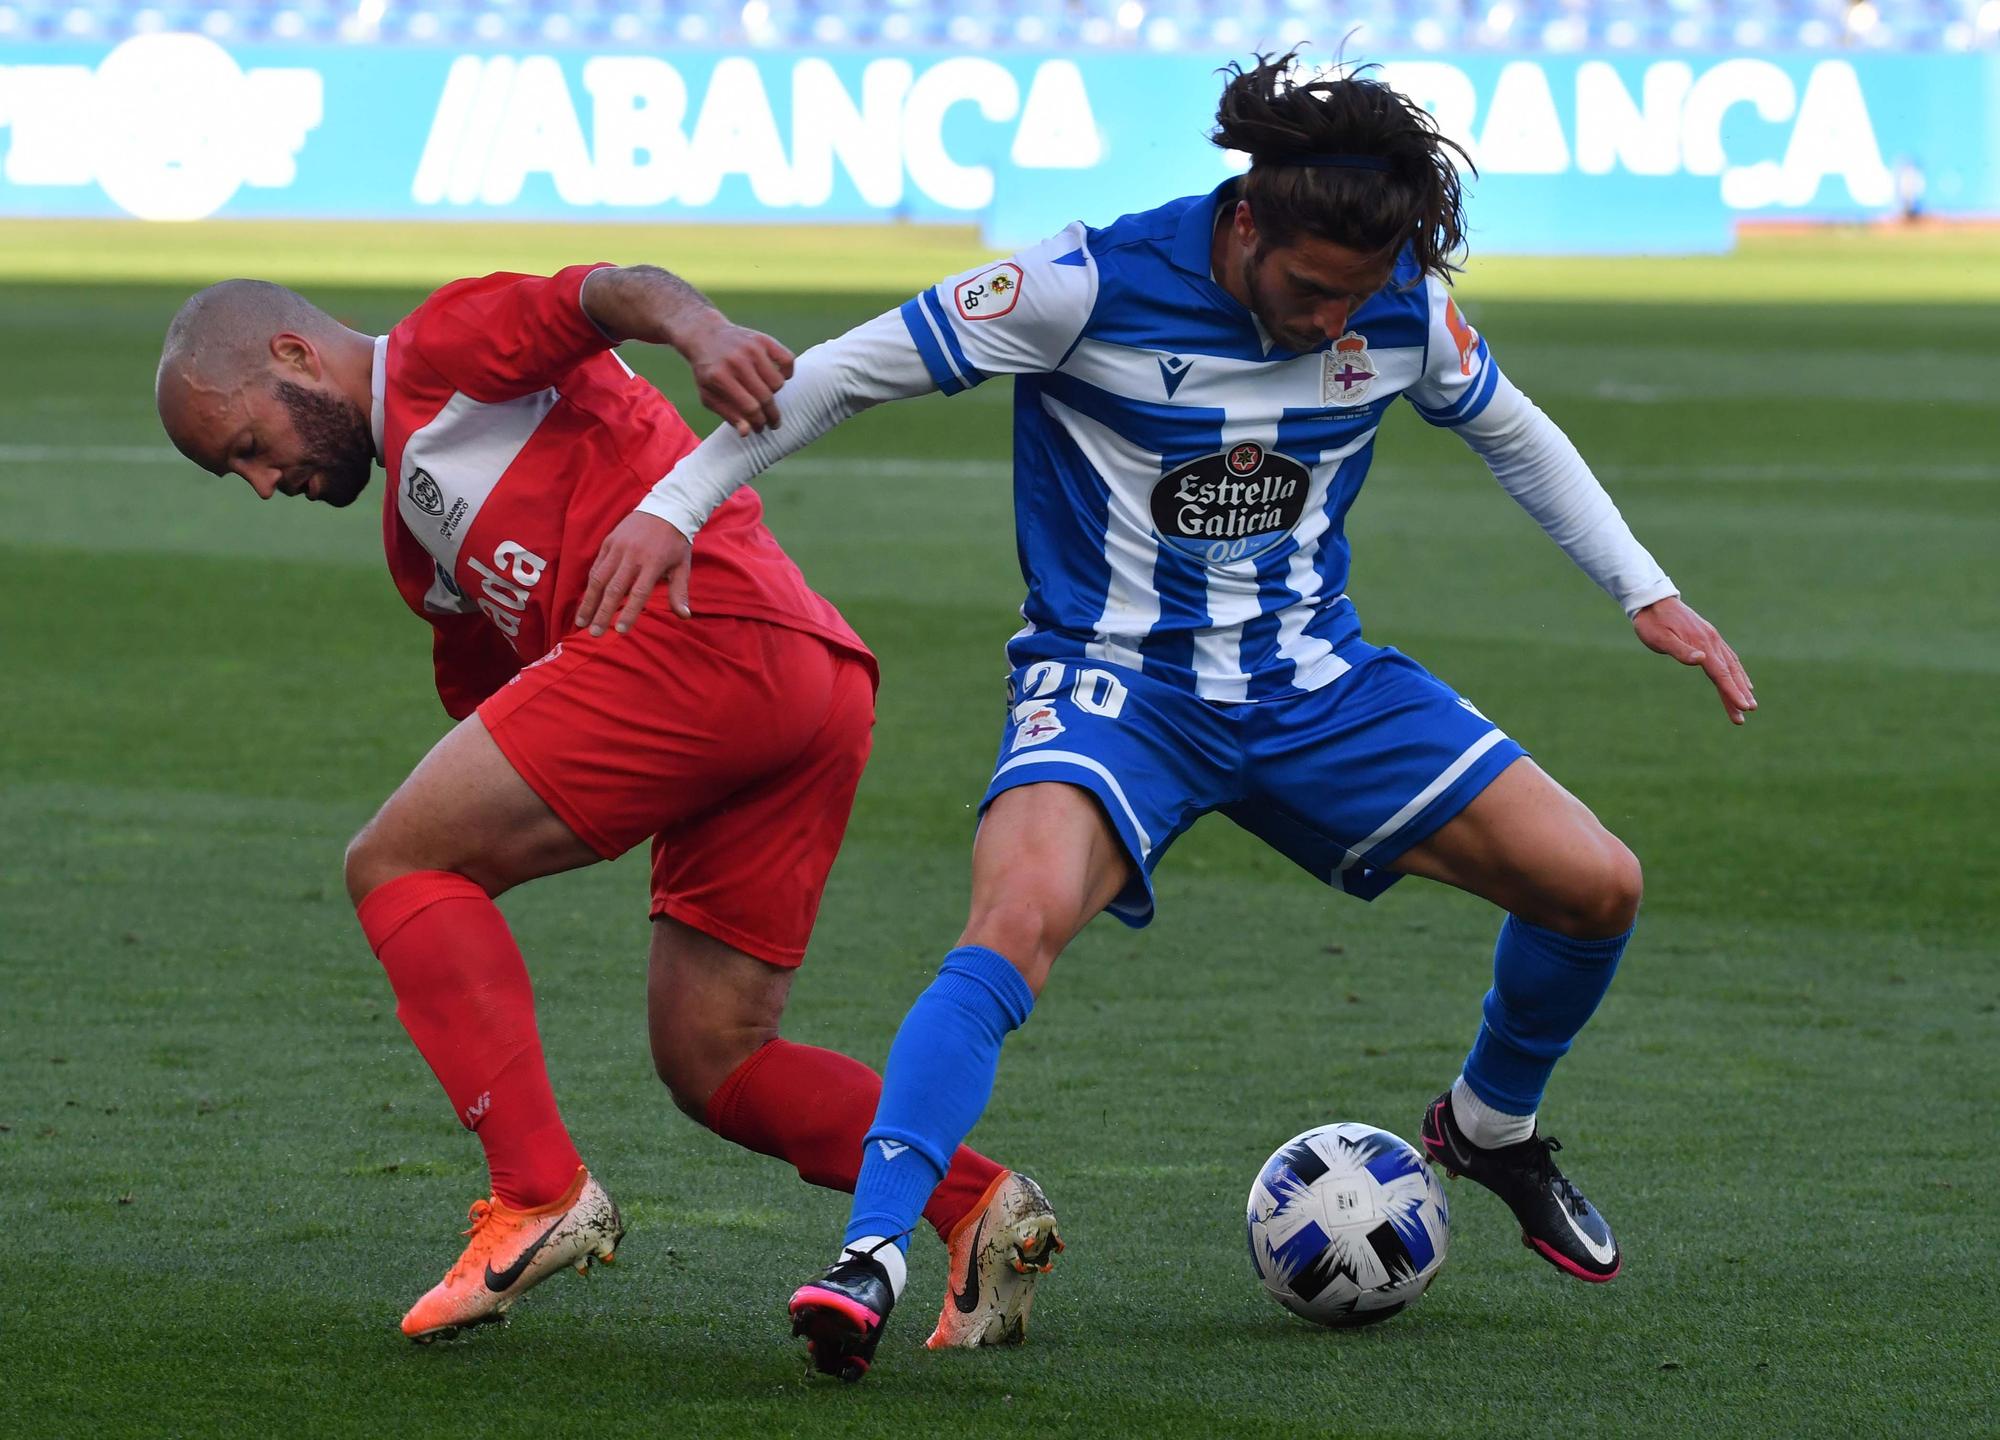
x: 481, y: 1215
x: 1542, y: 1166
x: 849, y: 1253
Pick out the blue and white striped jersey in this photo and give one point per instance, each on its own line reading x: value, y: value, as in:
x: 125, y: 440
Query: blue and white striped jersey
x: 1180, y: 488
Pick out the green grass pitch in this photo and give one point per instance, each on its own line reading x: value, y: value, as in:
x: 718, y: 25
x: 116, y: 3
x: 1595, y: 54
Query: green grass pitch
x: 226, y: 1171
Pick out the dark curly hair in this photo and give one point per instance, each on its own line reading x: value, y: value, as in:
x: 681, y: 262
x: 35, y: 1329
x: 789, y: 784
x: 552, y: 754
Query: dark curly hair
x: 1279, y: 120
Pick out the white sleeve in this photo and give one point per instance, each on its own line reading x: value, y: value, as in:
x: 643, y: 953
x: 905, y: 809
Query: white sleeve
x: 1539, y: 466
x: 1014, y: 316
x: 832, y: 382
x: 1018, y: 316
x: 1459, y: 374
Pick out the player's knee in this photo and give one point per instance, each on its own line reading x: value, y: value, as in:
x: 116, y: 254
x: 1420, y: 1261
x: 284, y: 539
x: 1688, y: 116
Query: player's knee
x: 368, y: 864
x: 693, y: 1058
x: 1603, y: 896
x: 689, y: 1094
x: 1030, y: 930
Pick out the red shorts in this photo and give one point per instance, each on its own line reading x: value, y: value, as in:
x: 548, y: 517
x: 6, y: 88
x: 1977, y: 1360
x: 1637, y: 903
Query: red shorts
x: 735, y: 744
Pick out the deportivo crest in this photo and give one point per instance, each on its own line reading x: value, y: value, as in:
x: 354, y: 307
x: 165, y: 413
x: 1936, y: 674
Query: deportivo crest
x: 990, y: 294
x: 1347, y: 372
x: 1040, y: 725
x: 424, y: 492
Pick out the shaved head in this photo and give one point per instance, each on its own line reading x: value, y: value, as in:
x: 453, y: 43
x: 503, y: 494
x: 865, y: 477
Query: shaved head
x: 256, y: 379
x: 225, y: 331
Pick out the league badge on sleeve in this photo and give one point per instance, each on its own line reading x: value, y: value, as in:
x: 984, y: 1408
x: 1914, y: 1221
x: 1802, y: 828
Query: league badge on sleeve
x: 989, y: 294
x: 1348, y: 371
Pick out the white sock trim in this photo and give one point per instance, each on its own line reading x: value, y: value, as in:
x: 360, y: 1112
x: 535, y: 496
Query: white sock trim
x: 1483, y: 1125
x: 884, y: 1252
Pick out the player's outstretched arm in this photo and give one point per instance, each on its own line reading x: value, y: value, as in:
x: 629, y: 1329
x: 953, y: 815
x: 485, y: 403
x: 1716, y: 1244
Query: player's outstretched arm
x: 1672, y: 628
x: 1008, y: 317
x: 1538, y: 465
x: 737, y: 371
x: 831, y: 382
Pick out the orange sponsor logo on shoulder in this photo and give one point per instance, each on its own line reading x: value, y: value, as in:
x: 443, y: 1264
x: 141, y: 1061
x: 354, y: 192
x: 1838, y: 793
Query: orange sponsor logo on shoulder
x: 1462, y: 335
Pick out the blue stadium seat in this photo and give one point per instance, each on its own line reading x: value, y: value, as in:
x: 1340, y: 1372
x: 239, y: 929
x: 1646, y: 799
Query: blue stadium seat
x: 1224, y: 27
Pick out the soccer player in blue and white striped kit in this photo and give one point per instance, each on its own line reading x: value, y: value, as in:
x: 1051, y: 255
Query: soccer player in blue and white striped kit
x: 1197, y: 391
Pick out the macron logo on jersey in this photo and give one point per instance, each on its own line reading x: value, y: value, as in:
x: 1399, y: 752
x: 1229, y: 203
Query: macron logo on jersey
x: 1173, y: 370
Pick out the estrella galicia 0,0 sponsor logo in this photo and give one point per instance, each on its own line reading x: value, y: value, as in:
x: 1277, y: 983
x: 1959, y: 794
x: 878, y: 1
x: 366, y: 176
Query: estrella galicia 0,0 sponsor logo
x: 1232, y: 505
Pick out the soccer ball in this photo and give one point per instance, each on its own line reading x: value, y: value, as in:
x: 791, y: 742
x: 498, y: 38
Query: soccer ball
x: 1347, y: 1225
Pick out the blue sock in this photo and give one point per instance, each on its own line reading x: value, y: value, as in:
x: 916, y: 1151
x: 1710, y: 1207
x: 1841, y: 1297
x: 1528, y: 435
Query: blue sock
x: 1545, y: 986
x: 936, y: 1084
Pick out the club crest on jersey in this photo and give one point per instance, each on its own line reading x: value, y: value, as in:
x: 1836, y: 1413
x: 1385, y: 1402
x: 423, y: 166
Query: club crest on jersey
x: 424, y: 492
x: 1040, y: 725
x: 1347, y: 372
x: 1232, y: 505
x: 990, y: 294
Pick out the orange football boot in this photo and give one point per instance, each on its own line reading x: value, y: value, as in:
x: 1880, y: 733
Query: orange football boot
x: 998, y: 1251
x: 512, y: 1251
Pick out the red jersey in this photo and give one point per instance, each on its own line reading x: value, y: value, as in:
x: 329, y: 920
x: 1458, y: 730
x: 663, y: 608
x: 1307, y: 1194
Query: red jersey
x: 515, y: 439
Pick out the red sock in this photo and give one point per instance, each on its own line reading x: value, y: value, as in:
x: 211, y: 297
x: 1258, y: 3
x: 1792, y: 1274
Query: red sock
x: 812, y: 1108
x: 462, y: 992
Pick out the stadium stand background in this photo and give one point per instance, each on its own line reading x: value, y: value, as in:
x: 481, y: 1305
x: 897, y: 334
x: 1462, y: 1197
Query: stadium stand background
x: 1376, y: 26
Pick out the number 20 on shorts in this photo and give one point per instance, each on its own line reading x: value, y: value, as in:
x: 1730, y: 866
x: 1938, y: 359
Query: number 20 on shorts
x: 1097, y: 691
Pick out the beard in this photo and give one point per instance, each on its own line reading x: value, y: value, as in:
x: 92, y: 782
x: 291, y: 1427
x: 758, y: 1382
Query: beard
x: 339, y: 445
x: 1281, y: 331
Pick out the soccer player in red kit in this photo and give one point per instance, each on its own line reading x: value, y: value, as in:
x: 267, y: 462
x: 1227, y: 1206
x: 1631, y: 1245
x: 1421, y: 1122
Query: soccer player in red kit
x: 514, y: 438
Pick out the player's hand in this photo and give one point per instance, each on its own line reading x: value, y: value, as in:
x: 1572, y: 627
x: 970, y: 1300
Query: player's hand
x: 737, y: 373
x: 640, y: 551
x: 1673, y: 629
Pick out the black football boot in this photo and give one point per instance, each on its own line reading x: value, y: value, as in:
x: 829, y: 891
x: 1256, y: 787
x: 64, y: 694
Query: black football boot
x: 842, y: 1313
x: 1556, y: 1221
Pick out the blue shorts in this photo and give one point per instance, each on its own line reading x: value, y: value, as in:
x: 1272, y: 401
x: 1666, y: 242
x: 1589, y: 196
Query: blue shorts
x: 1341, y: 780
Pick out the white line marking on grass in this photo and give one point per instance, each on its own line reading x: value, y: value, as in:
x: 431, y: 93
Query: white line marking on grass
x: 1633, y: 394
x: 860, y: 467
x: 843, y: 467
x: 1972, y: 473
x: 90, y: 454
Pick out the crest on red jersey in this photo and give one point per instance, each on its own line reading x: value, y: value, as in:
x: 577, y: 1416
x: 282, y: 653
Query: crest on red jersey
x: 424, y: 492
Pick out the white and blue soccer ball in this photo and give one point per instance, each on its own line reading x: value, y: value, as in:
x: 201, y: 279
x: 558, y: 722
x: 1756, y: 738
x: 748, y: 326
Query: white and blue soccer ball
x: 1348, y: 1225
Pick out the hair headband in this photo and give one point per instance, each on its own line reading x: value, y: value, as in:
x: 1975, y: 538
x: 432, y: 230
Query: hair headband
x: 1335, y: 162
